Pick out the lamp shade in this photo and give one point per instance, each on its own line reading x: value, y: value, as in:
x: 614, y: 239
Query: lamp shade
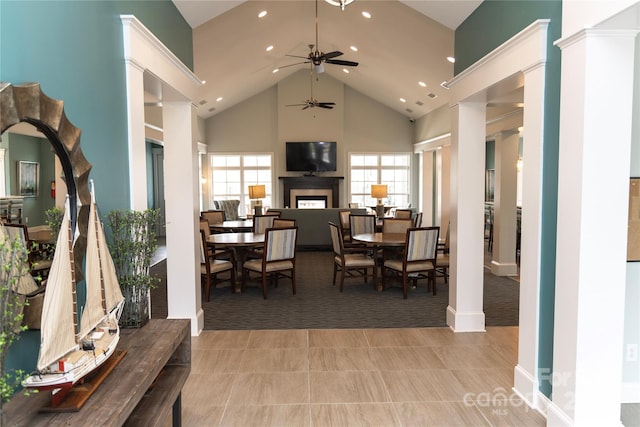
x: 379, y: 191
x: 256, y: 192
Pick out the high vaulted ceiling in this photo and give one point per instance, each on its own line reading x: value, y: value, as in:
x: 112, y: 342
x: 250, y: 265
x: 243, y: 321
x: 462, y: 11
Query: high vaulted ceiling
x: 402, y: 49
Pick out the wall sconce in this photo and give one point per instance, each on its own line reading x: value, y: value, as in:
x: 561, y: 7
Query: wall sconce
x: 379, y: 191
x: 256, y: 193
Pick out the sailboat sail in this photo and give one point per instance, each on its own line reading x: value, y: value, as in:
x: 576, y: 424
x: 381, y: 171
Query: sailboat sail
x: 100, y: 274
x: 58, y: 330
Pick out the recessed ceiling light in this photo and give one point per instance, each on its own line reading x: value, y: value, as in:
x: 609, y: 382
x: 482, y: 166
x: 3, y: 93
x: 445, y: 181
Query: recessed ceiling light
x: 403, y: 100
x: 269, y: 48
x: 353, y: 48
x: 423, y: 84
x: 262, y: 14
x: 344, y: 70
x: 366, y: 14
x: 451, y: 59
x: 203, y: 81
x: 218, y: 99
x: 275, y: 70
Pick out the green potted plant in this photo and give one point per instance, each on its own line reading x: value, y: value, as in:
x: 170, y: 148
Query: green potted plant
x: 13, y: 266
x: 133, y: 245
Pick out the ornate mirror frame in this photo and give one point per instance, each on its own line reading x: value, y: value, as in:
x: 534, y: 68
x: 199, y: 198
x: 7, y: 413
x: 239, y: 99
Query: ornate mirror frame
x: 27, y: 103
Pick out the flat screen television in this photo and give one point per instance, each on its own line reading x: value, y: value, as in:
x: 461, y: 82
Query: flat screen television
x: 314, y: 156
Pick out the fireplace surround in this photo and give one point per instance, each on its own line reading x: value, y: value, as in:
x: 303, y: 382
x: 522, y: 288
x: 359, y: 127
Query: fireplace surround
x: 307, y: 187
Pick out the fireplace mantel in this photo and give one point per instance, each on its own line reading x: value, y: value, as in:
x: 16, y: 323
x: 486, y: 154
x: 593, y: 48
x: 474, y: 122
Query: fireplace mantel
x: 312, y: 182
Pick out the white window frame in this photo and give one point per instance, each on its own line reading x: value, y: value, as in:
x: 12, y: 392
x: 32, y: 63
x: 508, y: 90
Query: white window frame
x: 243, y: 195
x: 364, y: 199
x: 3, y: 189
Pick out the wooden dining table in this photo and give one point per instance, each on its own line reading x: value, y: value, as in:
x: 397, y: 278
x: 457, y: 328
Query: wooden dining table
x: 232, y: 226
x: 381, y: 239
x: 242, y: 239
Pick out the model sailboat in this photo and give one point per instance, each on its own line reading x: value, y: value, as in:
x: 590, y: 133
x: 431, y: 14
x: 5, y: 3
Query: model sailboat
x: 68, y: 350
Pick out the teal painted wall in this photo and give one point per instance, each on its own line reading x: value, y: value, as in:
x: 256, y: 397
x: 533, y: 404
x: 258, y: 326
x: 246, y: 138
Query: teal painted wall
x: 493, y: 23
x: 74, y: 50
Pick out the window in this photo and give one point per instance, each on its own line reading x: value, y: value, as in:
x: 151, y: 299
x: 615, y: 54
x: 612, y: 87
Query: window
x: 232, y: 174
x: 392, y: 169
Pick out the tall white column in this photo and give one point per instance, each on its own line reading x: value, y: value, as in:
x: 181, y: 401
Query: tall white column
x: 595, y: 140
x: 466, y: 236
x: 137, y: 146
x: 505, y: 214
x: 181, y: 183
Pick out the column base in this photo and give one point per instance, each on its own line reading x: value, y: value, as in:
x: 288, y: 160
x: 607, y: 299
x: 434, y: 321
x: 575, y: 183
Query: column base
x: 465, y: 322
x: 504, y: 269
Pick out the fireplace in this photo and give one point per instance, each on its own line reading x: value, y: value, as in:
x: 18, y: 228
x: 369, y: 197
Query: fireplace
x: 322, y: 191
x: 311, y: 202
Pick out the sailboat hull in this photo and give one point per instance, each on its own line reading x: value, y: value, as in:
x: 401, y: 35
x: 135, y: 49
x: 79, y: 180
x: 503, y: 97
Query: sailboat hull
x: 78, y: 363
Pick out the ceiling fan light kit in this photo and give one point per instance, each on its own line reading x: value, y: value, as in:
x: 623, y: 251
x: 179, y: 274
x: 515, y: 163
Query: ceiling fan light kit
x: 339, y: 3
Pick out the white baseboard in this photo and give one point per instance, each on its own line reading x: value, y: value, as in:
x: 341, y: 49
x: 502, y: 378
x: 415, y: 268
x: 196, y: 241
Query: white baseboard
x: 465, y: 322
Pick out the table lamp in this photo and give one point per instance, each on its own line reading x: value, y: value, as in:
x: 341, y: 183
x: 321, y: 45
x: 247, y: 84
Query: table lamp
x: 379, y: 191
x: 256, y: 193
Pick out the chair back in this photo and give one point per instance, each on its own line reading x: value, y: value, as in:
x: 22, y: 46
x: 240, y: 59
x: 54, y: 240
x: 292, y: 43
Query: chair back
x: 18, y: 231
x: 203, y: 247
x: 283, y: 223
x: 344, y: 219
x: 418, y: 220
x: 396, y: 225
x: 360, y: 224
x: 336, y: 239
x: 213, y: 216
x: 262, y: 222
x: 280, y: 244
x: 403, y: 213
x: 422, y: 244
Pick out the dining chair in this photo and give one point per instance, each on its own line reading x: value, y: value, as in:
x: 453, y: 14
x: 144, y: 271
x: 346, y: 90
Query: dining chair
x: 211, y: 267
x: 344, y: 224
x: 213, y: 216
x: 278, y: 259
x: 418, y: 220
x: 283, y: 223
x: 442, y: 261
x: 205, y: 227
x: 396, y: 225
x: 229, y: 207
x: 419, y: 258
x: 262, y: 222
x: 39, y: 262
x: 403, y: 213
x: 352, y: 260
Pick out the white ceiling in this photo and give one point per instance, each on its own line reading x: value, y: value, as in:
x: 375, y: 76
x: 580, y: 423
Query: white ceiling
x: 403, y: 43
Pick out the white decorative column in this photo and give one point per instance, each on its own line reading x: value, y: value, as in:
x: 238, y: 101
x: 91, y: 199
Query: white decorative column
x: 181, y: 183
x: 505, y: 213
x: 595, y: 141
x: 465, y: 313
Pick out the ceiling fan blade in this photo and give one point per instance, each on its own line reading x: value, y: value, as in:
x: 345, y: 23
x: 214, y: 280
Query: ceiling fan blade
x: 297, y: 56
x: 297, y: 63
x: 296, y: 105
x: 342, y: 62
x: 306, y: 106
x: 324, y: 104
x: 332, y: 54
x: 328, y: 107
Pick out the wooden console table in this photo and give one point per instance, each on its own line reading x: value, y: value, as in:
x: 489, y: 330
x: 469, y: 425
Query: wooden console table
x: 143, y: 389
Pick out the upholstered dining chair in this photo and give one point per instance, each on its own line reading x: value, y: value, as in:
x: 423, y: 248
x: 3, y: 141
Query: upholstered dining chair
x: 213, y: 216
x: 417, y: 222
x: 442, y: 261
x: 403, y: 213
x: 211, y: 267
x: 262, y: 222
x: 350, y: 260
x: 278, y: 259
x: 39, y: 263
x: 396, y: 225
x: 229, y: 207
x: 283, y: 223
x: 211, y: 250
x: 419, y: 259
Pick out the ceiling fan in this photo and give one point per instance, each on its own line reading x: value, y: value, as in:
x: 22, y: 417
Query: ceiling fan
x: 318, y: 58
x: 312, y: 102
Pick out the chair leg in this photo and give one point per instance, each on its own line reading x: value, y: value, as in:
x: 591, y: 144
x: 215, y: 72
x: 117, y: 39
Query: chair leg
x: 233, y: 279
x: 405, y: 279
x: 207, y: 287
x: 264, y: 285
x: 335, y: 271
x: 293, y: 279
x: 432, y: 279
x: 243, y: 283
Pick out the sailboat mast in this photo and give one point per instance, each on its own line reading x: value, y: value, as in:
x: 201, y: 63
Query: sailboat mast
x: 72, y: 267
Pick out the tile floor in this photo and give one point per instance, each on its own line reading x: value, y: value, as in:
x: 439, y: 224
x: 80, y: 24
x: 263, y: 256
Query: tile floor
x: 375, y: 377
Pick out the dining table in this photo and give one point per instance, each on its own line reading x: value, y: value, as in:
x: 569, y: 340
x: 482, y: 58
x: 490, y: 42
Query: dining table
x: 239, y: 242
x: 381, y: 239
x: 236, y: 226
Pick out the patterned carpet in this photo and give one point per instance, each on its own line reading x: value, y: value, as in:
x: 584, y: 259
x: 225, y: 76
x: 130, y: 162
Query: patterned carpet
x: 319, y: 305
